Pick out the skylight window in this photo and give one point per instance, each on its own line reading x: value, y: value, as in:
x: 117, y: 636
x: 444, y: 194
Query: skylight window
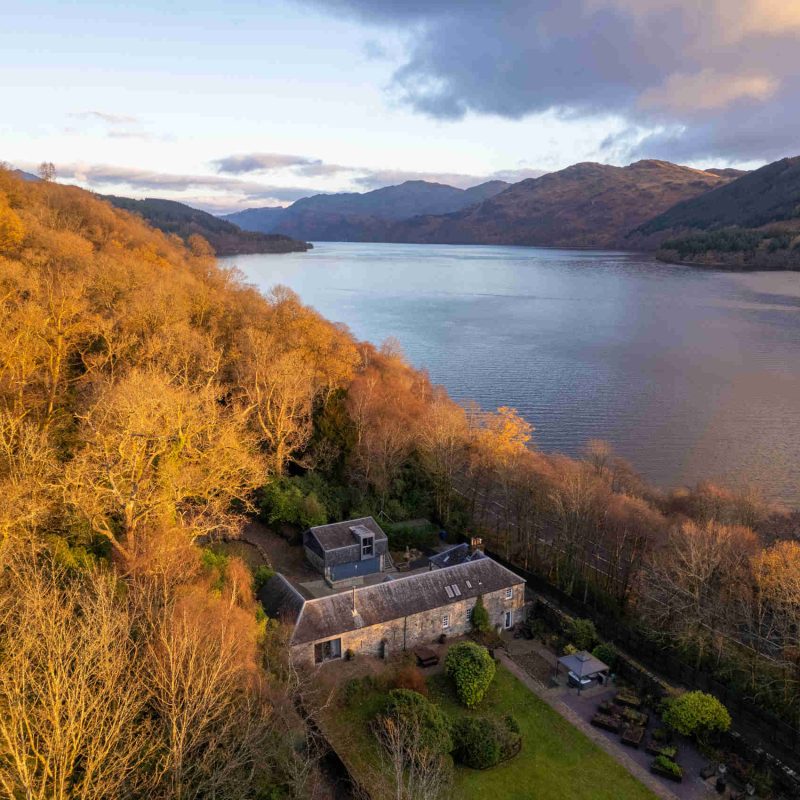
x: 449, y: 592
x: 456, y: 590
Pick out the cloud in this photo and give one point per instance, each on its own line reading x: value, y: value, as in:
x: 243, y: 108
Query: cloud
x: 109, y: 119
x: 707, y: 91
x: 704, y: 68
x: 364, y: 178
x: 142, y: 180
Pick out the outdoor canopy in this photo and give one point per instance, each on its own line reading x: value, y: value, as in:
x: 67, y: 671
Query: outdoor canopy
x: 583, y: 664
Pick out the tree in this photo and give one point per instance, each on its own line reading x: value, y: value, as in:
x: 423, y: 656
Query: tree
x: 582, y: 633
x: 696, y: 714
x: 415, y: 740
x: 47, y: 171
x: 480, y: 616
x: 12, y: 231
x: 155, y: 455
x: 73, y: 722
x: 471, y: 669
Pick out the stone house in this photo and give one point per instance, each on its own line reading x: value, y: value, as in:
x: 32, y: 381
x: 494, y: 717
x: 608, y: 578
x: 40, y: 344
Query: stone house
x: 397, y: 614
x: 347, y: 550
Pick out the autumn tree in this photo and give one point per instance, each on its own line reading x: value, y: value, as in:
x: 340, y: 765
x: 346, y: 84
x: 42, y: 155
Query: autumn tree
x: 156, y: 455
x: 73, y: 723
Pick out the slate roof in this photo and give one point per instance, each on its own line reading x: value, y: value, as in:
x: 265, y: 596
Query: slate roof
x: 338, y: 534
x: 280, y: 599
x: 329, y: 616
x: 457, y: 554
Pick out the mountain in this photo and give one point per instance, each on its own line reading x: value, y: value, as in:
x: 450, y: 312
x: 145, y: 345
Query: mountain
x: 224, y: 237
x: 766, y: 195
x: 367, y: 216
x: 585, y: 205
x: 26, y: 176
x: 753, y: 222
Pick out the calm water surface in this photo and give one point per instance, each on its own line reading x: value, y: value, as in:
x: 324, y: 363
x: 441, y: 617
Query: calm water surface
x: 688, y: 373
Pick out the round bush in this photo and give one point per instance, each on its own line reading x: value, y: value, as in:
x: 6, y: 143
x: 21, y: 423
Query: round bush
x: 475, y: 743
x: 481, y: 742
x: 421, y: 718
x: 471, y: 669
x: 696, y: 714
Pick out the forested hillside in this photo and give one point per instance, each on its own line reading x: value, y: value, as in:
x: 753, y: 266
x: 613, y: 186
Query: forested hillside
x: 363, y: 216
x: 752, y: 222
x: 225, y: 238
x: 150, y: 402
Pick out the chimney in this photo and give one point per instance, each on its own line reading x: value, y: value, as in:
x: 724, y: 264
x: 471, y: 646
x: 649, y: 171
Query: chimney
x: 475, y: 544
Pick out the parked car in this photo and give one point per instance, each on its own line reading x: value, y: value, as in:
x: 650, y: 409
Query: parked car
x: 579, y: 682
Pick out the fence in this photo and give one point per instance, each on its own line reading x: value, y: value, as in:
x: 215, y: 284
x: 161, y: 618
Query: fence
x: 757, y: 728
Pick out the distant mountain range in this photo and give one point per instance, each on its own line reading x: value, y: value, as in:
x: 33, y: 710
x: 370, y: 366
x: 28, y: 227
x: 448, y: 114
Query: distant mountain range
x: 363, y: 217
x: 224, y: 237
x: 585, y: 205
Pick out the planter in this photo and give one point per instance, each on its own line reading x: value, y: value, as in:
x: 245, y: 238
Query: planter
x: 665, y: 773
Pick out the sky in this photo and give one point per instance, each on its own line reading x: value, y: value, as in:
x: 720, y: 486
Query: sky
x: 243, y: 103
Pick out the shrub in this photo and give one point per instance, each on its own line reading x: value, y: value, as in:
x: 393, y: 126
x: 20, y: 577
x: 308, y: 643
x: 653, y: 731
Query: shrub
x: 481, y: 742
x: 427, y: 721
x: 261, y: 576
x: 410, y: 677
x: 480, y: 616
x: 582, y: 633
x: 471, y: 669
x: 668, y: 765
x: 606, y: 653
x: 696, y: 714
x: 475, y: 742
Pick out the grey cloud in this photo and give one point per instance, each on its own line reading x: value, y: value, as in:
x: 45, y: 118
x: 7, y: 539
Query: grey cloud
x: 717, y: 72
x: 363, y: 177
x: 101, y: 175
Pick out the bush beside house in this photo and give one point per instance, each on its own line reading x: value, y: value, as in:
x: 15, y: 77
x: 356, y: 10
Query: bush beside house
x: 471, y: 669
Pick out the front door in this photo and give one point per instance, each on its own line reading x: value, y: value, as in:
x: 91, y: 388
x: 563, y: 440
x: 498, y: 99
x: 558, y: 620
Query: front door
x: 509, y: 621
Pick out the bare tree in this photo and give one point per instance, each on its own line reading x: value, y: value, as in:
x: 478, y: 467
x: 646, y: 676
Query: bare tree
x: 72, y: 726
x: 416, y: 772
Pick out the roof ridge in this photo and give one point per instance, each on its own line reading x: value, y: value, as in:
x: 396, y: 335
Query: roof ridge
x: 418, y: 575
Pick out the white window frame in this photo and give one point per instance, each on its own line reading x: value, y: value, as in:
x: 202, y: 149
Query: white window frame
x: 510, y: 593
x: 469, y: 614
x: 445, y: 622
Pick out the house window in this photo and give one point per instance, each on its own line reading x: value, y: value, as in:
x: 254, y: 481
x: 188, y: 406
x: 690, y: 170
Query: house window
x: 509, y: 594
x: 469, y: 614
x: 327, y: 651
x: 367, y: 546
x: 445, y: 622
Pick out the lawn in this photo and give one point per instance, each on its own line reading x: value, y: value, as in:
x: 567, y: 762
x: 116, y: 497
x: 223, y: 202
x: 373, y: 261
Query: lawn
x: 556, y: 760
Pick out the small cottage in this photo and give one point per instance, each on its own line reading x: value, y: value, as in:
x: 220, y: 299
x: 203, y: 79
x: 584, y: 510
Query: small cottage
x: 346, y: 550
x: 397, y: 614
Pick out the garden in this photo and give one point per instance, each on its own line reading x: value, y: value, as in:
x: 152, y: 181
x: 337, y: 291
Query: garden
x: 470, y: 731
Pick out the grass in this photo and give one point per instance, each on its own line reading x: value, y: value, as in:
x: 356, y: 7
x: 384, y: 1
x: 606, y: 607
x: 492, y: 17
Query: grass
x: 556, y: 761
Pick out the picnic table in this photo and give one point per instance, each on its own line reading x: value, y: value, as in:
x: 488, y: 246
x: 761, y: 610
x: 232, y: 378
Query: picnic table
x: 426, y: 656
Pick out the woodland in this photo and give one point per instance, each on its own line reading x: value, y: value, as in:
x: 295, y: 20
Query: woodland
x: 151, y: 402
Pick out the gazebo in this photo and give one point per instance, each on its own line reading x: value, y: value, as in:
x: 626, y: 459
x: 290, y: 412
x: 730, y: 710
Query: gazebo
x: 583, y: 665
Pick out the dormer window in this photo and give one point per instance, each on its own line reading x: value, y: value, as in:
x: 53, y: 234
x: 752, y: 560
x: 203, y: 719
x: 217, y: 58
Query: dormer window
x: 367, y: 546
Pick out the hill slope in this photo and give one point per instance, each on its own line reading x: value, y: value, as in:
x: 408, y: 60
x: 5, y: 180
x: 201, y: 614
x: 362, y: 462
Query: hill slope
x: 766, y: 195
x: 367, y: 216
x: 751, y: 223
x: 585, y: 205
x: 225, y: 237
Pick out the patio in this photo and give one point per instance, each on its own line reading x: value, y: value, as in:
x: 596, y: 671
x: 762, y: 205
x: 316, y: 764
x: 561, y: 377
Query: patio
x: 540, y: 665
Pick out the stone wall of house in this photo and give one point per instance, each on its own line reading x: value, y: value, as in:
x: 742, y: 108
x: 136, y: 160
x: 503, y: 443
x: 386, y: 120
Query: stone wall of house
x: 425, y: 628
